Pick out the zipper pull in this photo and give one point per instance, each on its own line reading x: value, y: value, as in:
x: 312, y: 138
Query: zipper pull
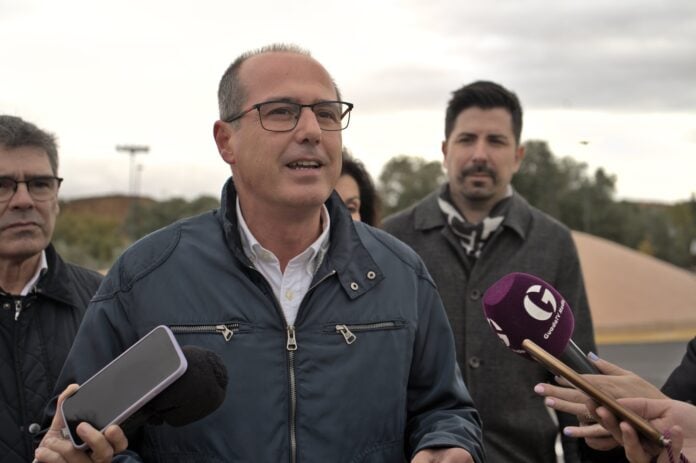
x: 18, y: 308
x: 226, y: 332
x: 292, y: 342
x: 347, y: 334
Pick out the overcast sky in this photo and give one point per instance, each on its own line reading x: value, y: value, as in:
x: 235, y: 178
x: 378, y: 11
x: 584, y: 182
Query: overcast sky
x: 620, y: 75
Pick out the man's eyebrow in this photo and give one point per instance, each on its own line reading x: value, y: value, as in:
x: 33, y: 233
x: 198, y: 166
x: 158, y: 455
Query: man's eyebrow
x: 285, y: 99
x: 288, y: 99
x: 464, y: 133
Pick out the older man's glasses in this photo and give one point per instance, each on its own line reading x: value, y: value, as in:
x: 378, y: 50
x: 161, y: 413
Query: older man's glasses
x: 40, y: 188
x: 282, y: 116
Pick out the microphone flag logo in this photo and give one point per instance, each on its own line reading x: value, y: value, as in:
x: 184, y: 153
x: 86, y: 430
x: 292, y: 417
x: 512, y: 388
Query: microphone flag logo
x: 499, y: 331
x: 533, y: 309
x: 521, y: 306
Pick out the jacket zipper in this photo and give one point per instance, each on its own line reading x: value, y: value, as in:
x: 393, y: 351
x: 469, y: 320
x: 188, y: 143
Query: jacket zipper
x: 348, y: 331
x: 226, y: 329
x: 291, y: 347
x: 16, y: 357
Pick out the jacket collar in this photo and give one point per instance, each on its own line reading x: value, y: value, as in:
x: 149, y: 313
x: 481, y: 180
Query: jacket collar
x: 347, y: 257
x: 52, y: 283
x: 427, y: 214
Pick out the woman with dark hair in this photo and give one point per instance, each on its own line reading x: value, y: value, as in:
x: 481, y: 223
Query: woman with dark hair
x: 356, y: 189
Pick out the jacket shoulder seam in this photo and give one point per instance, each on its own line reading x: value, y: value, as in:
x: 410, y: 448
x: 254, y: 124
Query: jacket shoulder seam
x: 129, y: 279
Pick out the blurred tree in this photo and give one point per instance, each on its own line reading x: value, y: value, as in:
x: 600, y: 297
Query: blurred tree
x: 563, y: 189
x: 94, y: 238
x: 541, y: 179
x: 88, y: 240
x: 681, y: 233
x: 144, y: 218
x: 406, y: 179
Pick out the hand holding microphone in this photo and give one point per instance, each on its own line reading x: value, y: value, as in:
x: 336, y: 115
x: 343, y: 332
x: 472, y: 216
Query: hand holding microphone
x: 533, y: 320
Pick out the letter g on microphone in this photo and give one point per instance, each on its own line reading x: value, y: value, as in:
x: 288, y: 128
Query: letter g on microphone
x: 536, y: 312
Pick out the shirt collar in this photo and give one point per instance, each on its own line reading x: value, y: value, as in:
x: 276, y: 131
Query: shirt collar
x: 43, y: 266
x: 314, y: 254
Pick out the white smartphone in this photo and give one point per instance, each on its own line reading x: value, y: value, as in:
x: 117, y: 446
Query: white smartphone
x: 126, y: 384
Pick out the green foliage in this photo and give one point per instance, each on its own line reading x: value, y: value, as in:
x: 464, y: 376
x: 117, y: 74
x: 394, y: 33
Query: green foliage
x: 88, y: 240
x: 94, y: 240
x: 144, y: 218
x: 563, y: 189
x: 406, y: 179
x: 668, y: 231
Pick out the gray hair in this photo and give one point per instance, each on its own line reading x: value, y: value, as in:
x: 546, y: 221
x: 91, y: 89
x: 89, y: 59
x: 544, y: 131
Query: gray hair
x: 231, y: 93
x: 16, y: 133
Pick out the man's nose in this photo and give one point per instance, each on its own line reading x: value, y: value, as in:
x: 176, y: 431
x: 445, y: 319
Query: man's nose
x: 480, y: 153
x: 308, y: 129
x: 21, y: 199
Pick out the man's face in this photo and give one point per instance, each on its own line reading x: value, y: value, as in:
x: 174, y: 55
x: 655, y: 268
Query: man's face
x: 282, y: 171
x: 481, y: 156
x: 26, y: 225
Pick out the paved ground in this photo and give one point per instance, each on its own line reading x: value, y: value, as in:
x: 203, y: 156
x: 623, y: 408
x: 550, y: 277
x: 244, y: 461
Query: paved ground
x: 653, y: 362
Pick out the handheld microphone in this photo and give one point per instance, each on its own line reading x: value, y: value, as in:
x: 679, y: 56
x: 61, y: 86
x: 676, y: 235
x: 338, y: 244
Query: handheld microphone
x: 520, y: 306
x: 194, y: 395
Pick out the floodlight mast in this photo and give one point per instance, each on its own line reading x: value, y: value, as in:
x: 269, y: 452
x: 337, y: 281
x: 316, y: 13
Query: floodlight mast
x: 132, y: 151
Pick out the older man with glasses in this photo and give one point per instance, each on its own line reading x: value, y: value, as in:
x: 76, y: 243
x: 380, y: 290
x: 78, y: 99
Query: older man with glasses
x: 42, y: 298
x: 336, y: 341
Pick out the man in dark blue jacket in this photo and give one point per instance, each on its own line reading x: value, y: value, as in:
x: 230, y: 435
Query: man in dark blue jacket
x: 340, y: 349
x: 42, y: 298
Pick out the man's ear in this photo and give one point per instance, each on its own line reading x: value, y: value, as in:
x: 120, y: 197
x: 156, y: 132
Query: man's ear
x: 443, y: 147
x: 519, y: 156
x: 223, y: 134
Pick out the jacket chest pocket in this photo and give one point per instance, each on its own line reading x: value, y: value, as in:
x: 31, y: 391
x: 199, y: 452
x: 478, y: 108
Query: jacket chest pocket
x: 351, y: 331
x: 226, y: 329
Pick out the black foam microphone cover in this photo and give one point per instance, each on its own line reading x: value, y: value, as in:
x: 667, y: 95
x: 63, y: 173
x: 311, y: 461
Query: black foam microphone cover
x: 196, y: 394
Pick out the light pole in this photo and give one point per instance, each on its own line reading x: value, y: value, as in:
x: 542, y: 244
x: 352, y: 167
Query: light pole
x: 132, y: 150
x: 586, y: 201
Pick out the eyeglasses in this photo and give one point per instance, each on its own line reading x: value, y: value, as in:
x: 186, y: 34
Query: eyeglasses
x: 282, y: 116
x: 40, y: 188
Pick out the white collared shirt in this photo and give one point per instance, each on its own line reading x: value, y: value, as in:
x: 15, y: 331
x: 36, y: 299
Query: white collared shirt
x: 289, y: 287
x: 43, y: 265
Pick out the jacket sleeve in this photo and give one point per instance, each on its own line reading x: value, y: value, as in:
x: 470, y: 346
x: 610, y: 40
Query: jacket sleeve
x: 681, y: 384
x: 441, y: 412
x: 105, y: 333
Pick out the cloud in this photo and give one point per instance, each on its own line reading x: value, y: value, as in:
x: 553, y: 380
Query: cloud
x: 621, y: 55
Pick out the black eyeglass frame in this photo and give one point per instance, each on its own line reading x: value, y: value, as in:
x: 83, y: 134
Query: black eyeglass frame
x: 29, y: 189
x: 311, y: 106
